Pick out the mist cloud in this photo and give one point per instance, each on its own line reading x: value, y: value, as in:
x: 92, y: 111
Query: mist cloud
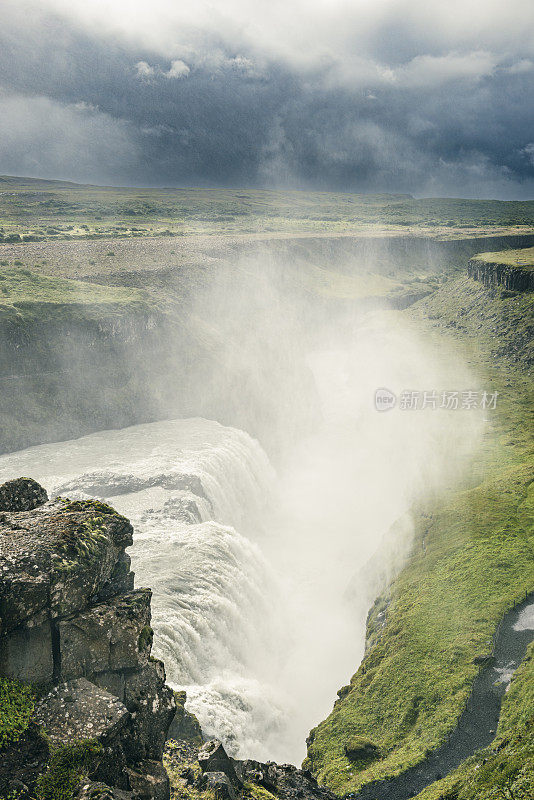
x: 400, y: 95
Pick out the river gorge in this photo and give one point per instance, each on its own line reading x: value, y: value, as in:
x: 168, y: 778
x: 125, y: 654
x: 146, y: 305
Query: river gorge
x: 263, y: 570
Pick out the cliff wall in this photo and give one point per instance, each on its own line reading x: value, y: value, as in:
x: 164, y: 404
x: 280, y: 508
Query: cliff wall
x: 75, y: 630
x: 513, y: 278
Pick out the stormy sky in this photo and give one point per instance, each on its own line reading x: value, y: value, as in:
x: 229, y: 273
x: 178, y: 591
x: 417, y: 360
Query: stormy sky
x: 430, y: 97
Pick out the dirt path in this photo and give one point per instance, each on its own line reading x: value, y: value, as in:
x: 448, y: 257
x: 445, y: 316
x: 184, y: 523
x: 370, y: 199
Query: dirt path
x: 478, y: 724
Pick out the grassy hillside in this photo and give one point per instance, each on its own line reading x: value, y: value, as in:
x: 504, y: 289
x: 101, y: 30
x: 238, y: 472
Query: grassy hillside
x: 477, y: 560
x: 24, y: 293
x: 37, y: 209
x: 504, y: 771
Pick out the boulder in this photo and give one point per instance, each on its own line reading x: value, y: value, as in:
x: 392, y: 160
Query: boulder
x: 150, y: 781
x: 360, y: 749
x: 212, y: 757
x: 21, y: 494
x: 96, y: 790
x: 152, y: 707
x: 78, y: 709
x: 219, y: 785
x: 58, y: 559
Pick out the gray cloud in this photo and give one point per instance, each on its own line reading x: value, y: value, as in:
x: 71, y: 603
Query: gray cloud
x: 403, y: 95
x: 40, y: 136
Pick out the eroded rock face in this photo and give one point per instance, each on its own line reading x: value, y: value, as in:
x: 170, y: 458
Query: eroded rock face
x: 513, y: 278
x: 184, y: 726
x: 75, y: 708
x: 107, y: 637
x: 70, y: 617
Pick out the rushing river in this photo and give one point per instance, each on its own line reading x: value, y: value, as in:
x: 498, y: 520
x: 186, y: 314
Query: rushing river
x: 259, y: 595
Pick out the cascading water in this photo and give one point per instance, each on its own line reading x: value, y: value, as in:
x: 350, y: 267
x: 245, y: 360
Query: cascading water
x: 187, y: 485
x: 258, y: 597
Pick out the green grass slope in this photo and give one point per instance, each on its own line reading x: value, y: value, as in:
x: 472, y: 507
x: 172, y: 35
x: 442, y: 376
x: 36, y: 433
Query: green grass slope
x: 505, y: 770
x: 24, y: 293
x: 477, y: 560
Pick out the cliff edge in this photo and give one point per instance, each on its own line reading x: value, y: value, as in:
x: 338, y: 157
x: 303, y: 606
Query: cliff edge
x: 81, y: 696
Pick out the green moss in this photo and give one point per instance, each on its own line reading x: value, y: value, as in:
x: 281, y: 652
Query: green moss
x: 89, y: 505
x: 79, y: 542
x: 145, y: 638
x: 16, y: 708
x: 255, y: 792
x: 360, y: 750
x: 67, y: 767
x: 478, y: 560
x: 505, y: 770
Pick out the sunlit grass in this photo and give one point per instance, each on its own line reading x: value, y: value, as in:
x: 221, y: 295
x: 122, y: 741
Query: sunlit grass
x: 477, y: 560
x: 23, y: 291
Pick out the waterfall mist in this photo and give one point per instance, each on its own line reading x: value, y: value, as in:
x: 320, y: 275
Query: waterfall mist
x: 257, y: 563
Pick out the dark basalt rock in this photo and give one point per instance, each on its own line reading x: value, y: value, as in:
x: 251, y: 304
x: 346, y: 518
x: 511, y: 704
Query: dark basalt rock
x: 219, y: 785
x: 106, y: 637
x: 21, y: 494
x: 212, y: 757
x: 96, y: 790
x: 219, y: 773
x: 75, y: 708
x: 149, y: 781
x: 152, y: 706
x: 69, y: 616
x: 512, y: 278
x: 284, y: 780
x: 184, y: 726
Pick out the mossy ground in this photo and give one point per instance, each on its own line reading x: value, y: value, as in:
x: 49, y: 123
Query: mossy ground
x: 180, y: 761
x: 68, y: 766
x: 25, y: 293
x: 478, y: 560
x: 17, y: 702
x: 523, y: 257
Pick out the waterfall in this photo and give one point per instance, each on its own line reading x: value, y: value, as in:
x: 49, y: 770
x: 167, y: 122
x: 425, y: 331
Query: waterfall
x: 190, y: 487
x: 261, y: 582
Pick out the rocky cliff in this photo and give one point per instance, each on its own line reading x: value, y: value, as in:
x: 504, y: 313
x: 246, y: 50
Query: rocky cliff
x: 81, y: 696
x: 509, y: 276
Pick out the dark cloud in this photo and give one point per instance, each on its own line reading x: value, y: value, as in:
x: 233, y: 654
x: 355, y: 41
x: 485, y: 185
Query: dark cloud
x: 434, y: 115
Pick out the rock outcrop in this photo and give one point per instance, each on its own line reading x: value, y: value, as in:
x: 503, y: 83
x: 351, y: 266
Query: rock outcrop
x: 73, y: 626
x: 510, y: 277
x: 210, y: 772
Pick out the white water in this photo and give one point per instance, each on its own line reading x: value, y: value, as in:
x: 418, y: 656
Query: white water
x: 259, y: 595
